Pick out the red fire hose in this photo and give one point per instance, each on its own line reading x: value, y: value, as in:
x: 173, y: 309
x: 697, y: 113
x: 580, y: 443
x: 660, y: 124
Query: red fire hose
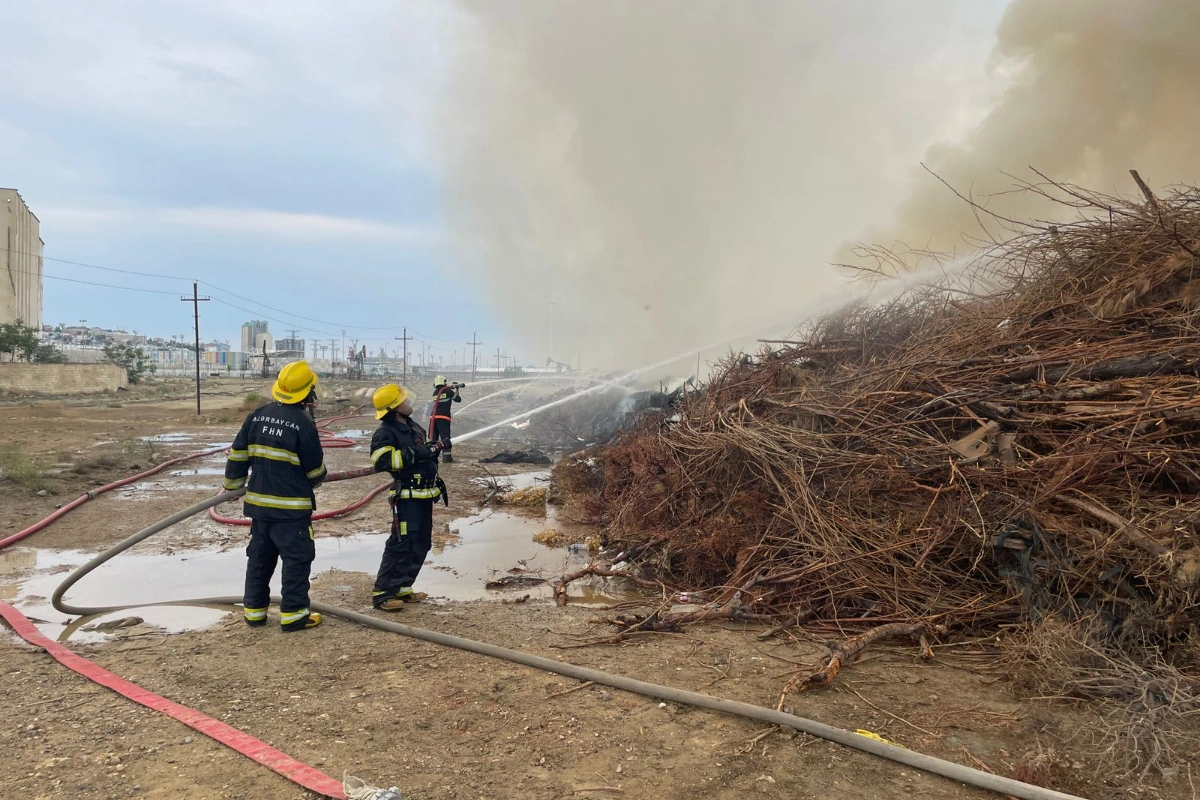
x: 249, y: 746
x: 337, y: 512
x: 328, y: 441
x: 94, y: 493
x: 244, y: 743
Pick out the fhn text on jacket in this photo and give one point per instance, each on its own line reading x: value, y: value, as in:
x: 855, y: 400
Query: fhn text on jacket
x: 277, y: 458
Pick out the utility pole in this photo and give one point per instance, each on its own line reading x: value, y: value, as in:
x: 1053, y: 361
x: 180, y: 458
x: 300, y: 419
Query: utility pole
x: 406, y: 339
x: 474, y: 343
x: 196, y: 300
x: 498, y: 357
x: 332, y: 356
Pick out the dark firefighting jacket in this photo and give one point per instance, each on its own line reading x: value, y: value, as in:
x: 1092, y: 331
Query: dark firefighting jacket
x: 279, y: 448
x: 398, y: 447
x: 443, y: 396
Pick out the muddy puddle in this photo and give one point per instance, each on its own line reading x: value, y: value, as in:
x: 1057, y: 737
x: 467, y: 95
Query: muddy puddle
x: 488, y: 546
x: 182, y: 439
x: 170, y: 438
x: 522, y: 480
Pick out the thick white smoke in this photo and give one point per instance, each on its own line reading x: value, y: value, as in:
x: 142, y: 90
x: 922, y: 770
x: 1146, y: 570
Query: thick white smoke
x: 632, y: 178
x: 1094, y: 88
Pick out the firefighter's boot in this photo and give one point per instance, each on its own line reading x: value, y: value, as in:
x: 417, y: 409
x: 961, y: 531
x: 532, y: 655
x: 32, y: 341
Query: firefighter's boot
x: 392, y: 604
x: 311, y: 620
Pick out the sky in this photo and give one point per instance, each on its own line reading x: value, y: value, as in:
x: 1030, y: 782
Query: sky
x: 308, y: 156
x: 276, y: 151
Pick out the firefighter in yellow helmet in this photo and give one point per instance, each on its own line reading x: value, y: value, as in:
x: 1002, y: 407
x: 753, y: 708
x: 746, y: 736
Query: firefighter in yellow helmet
x: 278, y: 451
x: 400, y: 447
x: 444, y: 394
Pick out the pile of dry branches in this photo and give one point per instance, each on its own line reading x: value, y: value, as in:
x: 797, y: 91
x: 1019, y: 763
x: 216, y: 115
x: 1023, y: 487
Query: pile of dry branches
x: 1020, y: 437
x: 1146, y: 708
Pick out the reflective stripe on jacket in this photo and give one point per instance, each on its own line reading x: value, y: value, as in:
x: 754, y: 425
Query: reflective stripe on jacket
x: 443, y: 397
x: 277, y: 458
x: 393, y: 449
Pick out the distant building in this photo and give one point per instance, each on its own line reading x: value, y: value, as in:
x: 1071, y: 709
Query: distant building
x: 290, y: 346
x: 217, y: 355
x: 21, y: 257
x: 254, y: 333
x: 132, y: 339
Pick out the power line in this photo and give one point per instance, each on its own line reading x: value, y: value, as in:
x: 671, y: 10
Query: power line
x: 267, y: 316
x: 434, y: 338
x: 88, y: 283
x: 285, y: 322
x: 94, y: 266
x: 206, y: 283
x: 297, y: 316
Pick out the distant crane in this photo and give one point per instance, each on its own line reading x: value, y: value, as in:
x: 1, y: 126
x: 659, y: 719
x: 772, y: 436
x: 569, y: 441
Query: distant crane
x: 266, y: 365
x: 356, y: 365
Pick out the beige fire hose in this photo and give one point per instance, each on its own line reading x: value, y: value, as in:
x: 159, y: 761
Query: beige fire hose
x: 947, y: 769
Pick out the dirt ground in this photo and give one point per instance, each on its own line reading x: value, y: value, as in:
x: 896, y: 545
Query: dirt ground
x: 441, y: 723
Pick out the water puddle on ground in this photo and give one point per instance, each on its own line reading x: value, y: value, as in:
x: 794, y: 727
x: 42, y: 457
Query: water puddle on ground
x: 181, y: 439
x: 521, y: 480
x: 192, y: 473
x: 177, y: 437
x: 488, y: 545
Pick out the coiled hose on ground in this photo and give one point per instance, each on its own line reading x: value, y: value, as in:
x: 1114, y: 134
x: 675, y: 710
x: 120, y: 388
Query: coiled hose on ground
x: 948, y: 769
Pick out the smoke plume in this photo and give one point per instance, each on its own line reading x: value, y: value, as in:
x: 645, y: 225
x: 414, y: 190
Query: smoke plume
x: 631, y: 179
x: 1094, y: 88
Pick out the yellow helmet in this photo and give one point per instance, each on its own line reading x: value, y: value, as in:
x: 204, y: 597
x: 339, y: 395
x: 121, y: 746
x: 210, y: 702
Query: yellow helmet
x: 440, y: 380
x: 294, y: 383
x: 388, y: 397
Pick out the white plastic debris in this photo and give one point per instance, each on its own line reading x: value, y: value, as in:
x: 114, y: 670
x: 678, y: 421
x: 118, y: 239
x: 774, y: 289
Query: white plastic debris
x: 357, y: 789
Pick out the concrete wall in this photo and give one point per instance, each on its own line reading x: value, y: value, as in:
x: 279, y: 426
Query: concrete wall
x: 20, y: 261
x: 61, y: 378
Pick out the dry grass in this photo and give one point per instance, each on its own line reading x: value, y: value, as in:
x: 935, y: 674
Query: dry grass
x: 252, y: 402
x: 1148, y: 712
x: 552, y: 537
x: 530, y: 497
x: 21, y: 470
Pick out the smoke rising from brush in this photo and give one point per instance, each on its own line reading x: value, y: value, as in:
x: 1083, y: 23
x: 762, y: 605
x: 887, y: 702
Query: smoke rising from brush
x: 630, y: 179
x: 1094, y: 88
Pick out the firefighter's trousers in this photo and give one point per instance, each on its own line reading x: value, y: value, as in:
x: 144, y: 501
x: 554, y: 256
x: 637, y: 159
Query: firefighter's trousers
x: 271, y: 541
x: 405, y: 550
x: 441, y: 433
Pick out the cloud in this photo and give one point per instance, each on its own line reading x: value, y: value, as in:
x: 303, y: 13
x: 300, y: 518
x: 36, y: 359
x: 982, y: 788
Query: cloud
x: 208, y: 69
x: 250, y: 222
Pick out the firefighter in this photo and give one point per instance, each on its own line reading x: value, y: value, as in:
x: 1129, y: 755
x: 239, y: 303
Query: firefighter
x: 279, y: 448
x: 444, y: 393
x: 399, y: 446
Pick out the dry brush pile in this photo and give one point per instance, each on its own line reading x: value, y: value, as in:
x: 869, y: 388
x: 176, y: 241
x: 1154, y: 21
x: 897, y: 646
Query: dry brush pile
x: 1015, y: 441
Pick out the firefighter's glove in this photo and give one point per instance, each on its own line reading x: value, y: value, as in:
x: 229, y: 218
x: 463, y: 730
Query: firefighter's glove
x: 424, y: 452
x: 441, y: 484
